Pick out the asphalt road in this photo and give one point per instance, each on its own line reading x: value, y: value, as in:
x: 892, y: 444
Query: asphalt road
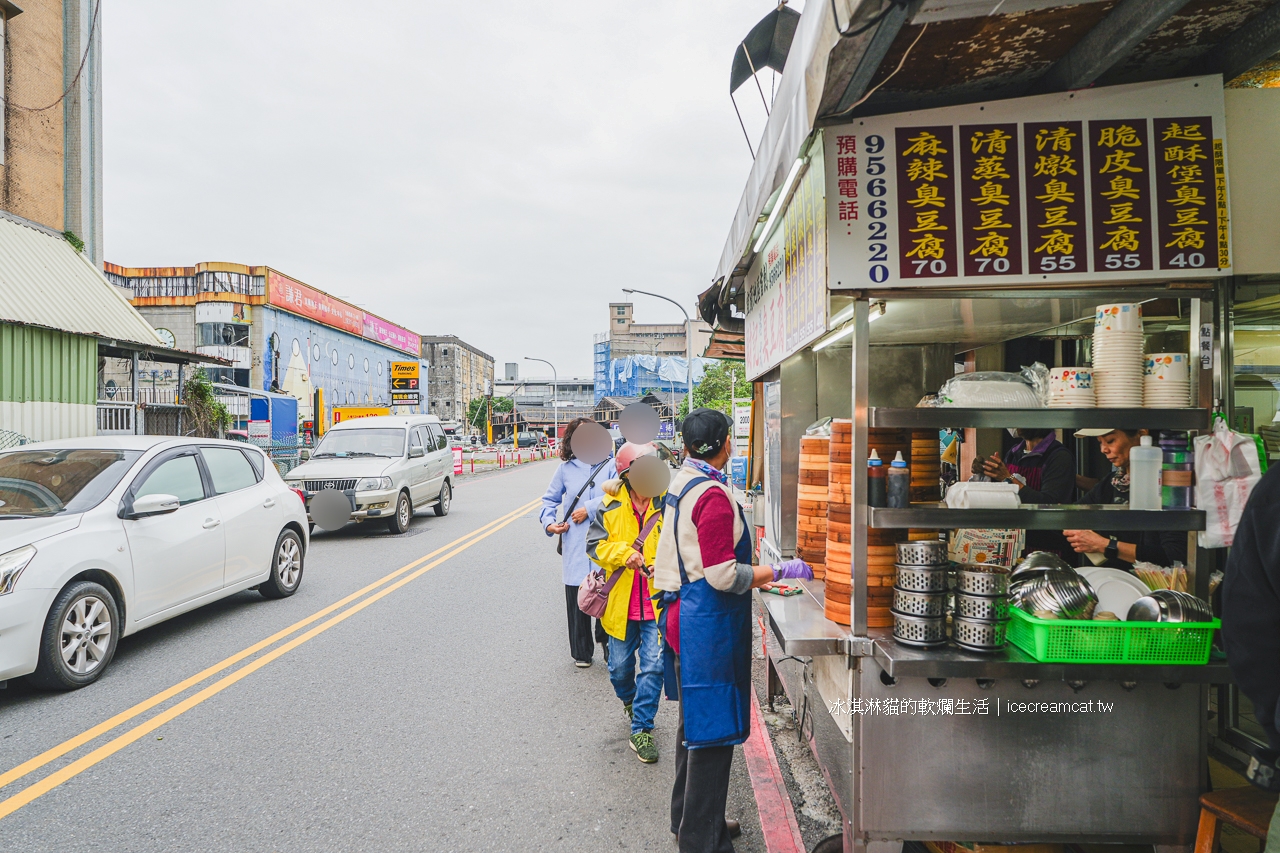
x: 445, y: 715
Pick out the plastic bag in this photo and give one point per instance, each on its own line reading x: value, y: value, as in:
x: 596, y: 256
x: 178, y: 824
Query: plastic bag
x: 1227, y: 469
x: 1026, y: 389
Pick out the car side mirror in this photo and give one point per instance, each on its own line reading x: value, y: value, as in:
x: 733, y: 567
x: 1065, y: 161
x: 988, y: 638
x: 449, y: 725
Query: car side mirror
x: 149, y: 505
x: 416, y: 451
x: 304, y: 455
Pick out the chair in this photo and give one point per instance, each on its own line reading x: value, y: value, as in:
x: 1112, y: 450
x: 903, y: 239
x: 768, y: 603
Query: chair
x: 1249, y: 809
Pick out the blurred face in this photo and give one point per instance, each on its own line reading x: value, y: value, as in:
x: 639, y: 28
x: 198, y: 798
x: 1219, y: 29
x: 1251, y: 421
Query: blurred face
x: 1116, y: 444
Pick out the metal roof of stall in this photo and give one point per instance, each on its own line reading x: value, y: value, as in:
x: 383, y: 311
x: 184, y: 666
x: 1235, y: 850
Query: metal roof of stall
x: 851, y: 58
x: 45, y: 282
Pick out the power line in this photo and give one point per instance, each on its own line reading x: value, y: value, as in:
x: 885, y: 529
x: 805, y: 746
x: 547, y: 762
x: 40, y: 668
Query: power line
x: 75, y: 81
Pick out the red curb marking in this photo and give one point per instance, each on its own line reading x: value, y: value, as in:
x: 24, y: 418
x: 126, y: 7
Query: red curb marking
x: 777, y: 818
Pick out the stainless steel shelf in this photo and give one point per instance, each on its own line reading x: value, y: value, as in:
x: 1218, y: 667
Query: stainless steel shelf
x: 801, y: 627
x: 954, y: 418
x: 1039, y: 517
x: 901, y: 661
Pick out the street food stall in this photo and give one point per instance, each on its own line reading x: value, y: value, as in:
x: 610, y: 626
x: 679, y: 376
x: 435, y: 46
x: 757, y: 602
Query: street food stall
x: 896, y: 233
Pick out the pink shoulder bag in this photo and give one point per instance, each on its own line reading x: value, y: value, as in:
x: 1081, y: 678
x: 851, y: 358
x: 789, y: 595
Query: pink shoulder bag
x: 593, y: 594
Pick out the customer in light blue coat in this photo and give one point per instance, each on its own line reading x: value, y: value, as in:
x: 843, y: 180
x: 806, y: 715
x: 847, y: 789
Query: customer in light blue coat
x: 570, y: 477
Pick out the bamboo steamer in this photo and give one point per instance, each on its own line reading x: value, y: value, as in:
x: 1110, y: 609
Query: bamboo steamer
x: 811, y: 503
x: 837, y: 611
x: 926, y: 466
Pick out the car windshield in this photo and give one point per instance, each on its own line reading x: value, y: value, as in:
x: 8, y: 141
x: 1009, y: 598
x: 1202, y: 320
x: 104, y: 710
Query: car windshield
x: 347, y: 443
x: 38, y: 483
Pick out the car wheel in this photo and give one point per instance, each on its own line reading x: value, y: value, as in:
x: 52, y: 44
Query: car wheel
x: 286, y: 567
x: 79, y: 637
x: 446, y: 497
x: 399, y: 522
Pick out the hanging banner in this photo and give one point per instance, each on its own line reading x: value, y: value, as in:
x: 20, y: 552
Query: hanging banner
x: 1116, y: 183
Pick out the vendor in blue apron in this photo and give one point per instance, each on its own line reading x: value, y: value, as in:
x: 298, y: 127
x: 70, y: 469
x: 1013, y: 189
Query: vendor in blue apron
x: 703, y: 566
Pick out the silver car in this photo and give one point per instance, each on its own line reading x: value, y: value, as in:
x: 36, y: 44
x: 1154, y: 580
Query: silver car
x: 387, y: 467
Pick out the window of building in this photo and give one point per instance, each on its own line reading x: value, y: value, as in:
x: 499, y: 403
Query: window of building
x: 621, y: 322
x: 621, y: 310
x: 222, y: 334
x: 444, y: 352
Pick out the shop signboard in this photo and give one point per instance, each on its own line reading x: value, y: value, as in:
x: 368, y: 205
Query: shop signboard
x: 350, y: 413
x: 786, y: 286
x: 457, y: 460
x: 404, y: 376
x: 742, y: 422
x: 1119, y: 183
x: 405, y: 398
x: 298, y: 298
x: 378, y: 329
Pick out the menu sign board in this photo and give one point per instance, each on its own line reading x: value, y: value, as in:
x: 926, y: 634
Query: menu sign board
x: 1117, y: 183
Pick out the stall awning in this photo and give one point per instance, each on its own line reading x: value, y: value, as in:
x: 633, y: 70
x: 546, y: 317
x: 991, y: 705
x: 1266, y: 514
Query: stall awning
x: 45, y: 282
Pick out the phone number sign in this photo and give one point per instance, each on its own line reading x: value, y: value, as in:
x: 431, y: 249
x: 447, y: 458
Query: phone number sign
x: 1117, y: 183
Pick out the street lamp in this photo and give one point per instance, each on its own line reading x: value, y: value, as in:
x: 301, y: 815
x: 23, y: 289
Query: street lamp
x: 688, y: 337
x: 555, y: 399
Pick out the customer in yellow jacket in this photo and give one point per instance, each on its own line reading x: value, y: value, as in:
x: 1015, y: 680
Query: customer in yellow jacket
x: 630, y: 514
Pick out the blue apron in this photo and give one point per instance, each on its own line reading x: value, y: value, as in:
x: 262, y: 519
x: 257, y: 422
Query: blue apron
x: 715, y: 650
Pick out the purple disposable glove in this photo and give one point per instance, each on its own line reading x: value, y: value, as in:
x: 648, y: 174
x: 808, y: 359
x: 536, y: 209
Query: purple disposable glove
x: 798, y: 569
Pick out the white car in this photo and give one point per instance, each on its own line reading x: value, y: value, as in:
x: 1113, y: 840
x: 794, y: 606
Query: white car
x: 387, y: 467
x: 102, y: 537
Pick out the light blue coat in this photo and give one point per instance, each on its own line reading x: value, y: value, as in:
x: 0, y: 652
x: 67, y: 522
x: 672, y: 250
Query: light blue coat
x: 568, y: 478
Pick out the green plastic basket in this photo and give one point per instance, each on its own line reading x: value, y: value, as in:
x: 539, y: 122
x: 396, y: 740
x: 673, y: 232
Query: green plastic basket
x: 1079, y: 641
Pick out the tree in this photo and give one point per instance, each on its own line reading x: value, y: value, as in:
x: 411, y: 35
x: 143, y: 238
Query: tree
x: 719, y: 382
x: 209, y: 417
x: 477, y: 412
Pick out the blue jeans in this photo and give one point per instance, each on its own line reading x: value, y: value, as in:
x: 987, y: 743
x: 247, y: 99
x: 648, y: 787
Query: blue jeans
x: 641, y: 690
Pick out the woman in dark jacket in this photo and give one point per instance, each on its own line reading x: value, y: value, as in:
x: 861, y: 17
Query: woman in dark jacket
x: 1045, y: 473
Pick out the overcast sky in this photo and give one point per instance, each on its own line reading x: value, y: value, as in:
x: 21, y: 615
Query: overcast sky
x: 495, y: 171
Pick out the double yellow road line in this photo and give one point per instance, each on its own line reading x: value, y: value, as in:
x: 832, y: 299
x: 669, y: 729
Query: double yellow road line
x: 384, y: 586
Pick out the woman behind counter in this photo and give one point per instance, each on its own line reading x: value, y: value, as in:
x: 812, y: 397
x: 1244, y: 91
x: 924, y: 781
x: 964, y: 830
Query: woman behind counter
x: 1044, y: 472
x: 1121, y: 549
x: 571, y: 477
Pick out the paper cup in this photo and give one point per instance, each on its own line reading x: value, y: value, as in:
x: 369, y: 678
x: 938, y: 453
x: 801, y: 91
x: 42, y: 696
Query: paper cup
x: 1122, y: 317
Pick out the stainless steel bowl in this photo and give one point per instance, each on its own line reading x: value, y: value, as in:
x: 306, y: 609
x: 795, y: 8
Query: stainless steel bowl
x: 984, y: 580
x: 1065, y: 593
x: 921, y: 578
x: 977, y: 635
x: 919, y: 630
x: 919, y: 603
x: 984, y: 607
x: 1037, y: 563
x: 922, y: 553
x: 1168, y: 605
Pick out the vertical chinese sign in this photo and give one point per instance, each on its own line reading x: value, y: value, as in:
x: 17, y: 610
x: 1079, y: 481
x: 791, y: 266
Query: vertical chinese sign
x: 1055, y: 169
x: 990, y: 200
x: 926, y: 202
x: 1186, y: 196
x: 1121, y: 187
x: 846, y: 182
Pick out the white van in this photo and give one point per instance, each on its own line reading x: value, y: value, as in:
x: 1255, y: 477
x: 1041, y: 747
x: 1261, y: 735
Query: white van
x: 388, y: 466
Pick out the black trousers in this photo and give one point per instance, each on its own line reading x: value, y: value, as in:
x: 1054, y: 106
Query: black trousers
x: 581, y: 640
x: 699, y: 795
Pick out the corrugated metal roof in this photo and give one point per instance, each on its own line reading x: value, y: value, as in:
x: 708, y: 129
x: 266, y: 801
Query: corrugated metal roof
x: 45, y: 282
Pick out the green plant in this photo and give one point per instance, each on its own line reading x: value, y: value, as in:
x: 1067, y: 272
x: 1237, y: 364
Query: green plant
x: 209, y: 417
x: 477, y: 413
x: 719, y: 383
x: 76, y: 242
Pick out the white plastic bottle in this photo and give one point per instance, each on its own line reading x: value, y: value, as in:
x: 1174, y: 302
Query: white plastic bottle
x: 1145, y: 462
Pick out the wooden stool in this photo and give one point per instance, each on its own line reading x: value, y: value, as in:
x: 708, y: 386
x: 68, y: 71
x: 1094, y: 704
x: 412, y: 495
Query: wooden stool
x: 1248, y: 809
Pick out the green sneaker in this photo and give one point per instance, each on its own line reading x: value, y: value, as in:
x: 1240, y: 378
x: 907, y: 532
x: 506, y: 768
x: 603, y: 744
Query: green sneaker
x: 626, y: 708
x: 644, y: 747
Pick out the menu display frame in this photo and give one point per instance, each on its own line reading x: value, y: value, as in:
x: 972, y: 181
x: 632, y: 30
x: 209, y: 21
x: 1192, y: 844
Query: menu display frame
x: 1112, y: 210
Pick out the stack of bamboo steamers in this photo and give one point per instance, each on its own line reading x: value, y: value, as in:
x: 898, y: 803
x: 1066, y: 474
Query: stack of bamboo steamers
x: 824, y: 526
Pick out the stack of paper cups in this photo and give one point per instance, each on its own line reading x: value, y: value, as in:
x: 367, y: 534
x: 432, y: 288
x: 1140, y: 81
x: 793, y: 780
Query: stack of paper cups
x: 1166, y: 381
x: 1071, y: 388
x: 1117, y: 356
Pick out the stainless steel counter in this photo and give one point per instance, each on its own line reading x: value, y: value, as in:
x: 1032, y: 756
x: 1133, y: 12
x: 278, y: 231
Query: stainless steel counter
x: 1039, y: 517
x: 801, y: 629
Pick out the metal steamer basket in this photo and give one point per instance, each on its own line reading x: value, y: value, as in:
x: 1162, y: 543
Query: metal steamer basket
x: 972, y: 580
x: 978, y: 635
x: 922, y: 553
x: 920, y: 578
x: 920, y: 630
x: 982, y: 607
x: 911, y: 603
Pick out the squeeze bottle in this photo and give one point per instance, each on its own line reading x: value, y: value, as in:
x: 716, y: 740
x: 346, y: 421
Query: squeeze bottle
x: 877, y: 485
x: 899, y: 483
x: 1145, y: 462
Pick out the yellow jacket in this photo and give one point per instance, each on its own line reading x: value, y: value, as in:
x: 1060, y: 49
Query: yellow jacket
x: 609, y: 539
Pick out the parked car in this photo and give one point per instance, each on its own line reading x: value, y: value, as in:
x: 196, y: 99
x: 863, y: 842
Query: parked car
x: 102, y: 537
x: 527, y: 439
x: 388, y: 466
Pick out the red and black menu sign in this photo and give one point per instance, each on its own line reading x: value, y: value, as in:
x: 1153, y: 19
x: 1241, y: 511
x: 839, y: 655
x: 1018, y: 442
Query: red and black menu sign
x: 1186, y: 203
x: 1120, y: 182
x: 926, y: 202
x: 990, y: 201
x: 1055, y: 169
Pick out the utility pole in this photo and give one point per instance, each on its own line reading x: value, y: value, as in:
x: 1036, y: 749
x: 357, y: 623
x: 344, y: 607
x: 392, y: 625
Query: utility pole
x: 555, y: 397
x: 688, y: 338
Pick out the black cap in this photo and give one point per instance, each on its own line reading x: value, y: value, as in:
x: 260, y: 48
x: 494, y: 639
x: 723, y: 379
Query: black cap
x: 705, y: 431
